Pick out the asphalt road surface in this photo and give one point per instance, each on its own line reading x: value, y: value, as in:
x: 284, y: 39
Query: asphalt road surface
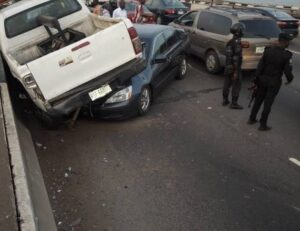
x: 188, y: 165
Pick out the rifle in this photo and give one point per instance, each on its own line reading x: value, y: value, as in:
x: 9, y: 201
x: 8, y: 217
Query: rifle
x: 253, y: 88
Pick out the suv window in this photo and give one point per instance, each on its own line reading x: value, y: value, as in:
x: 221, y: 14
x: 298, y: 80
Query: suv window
x: 260, y: 28
x: 188, y: 19
x: 26, y: 20
x: 214, y: 23
x: 160, y: 45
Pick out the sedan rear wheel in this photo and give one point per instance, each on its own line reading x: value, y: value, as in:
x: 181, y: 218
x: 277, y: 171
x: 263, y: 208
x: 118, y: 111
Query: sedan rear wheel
x: 182, y: 69
x: 144, y: 100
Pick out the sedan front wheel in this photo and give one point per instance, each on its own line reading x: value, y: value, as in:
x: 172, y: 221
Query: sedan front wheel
x: 144, y: 100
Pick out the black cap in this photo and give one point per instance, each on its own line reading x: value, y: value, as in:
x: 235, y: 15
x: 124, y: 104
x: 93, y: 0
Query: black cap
x: 284, y: 37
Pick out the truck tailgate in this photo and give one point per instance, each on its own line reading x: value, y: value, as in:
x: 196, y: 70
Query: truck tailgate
x: 83, y: 61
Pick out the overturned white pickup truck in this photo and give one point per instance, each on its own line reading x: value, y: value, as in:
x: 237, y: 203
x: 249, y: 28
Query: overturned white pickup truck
x: 63, y: 55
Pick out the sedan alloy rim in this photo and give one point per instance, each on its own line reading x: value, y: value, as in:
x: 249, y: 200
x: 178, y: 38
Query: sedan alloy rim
x: 183, y: 67
x: 145, y: 99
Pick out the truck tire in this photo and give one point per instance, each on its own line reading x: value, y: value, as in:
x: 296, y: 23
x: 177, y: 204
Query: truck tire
x: 46, y: 120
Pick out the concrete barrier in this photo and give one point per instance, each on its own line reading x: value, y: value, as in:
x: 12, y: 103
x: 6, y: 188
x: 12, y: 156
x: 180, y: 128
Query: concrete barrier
x: 32, y: 202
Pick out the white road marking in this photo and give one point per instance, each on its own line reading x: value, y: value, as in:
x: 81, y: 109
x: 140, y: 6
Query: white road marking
x: 295, y: 161
x: 295, y: 52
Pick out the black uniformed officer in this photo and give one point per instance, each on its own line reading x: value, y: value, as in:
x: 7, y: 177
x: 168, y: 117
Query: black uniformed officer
x: 233, y: 72
x: 274, y: 62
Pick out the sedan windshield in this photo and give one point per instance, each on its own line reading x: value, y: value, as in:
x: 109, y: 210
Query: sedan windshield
x: 260, y: 29
x: 26, y: 20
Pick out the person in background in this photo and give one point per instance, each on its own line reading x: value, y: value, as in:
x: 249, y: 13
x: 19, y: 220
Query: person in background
x: 233, y: 70
x: 105, y: 11
x: 96, y: 7
x: 139, y: 12
x: 120, y: 12
x: 268, y: 78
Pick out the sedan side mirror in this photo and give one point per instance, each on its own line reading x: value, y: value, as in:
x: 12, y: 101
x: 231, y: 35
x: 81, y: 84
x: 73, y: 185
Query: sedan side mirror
x: 160, y: 59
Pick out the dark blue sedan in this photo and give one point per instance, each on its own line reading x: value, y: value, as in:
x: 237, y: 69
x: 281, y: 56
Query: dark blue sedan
x: 164, y: 51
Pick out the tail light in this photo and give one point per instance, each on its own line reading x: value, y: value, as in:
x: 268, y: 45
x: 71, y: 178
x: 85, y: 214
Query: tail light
x: 136, y: 42
x: 29, y: 81
x: 281, y: 24
x: 169, y: 11
x: 245, y: 44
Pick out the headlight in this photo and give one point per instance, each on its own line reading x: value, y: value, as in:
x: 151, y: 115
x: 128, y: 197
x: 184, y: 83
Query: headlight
x: 121, y: 96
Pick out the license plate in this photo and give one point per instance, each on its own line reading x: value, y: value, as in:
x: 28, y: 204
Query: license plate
x: 259, y: 50
x: 100, y: 92
x: 180, y: 12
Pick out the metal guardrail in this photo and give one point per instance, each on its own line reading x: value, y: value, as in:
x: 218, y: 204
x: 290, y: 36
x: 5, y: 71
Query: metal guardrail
x: 292, y: 10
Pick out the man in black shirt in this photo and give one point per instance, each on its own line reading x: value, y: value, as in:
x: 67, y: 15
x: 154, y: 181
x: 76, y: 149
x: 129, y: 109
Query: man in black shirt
x: 274, y: 62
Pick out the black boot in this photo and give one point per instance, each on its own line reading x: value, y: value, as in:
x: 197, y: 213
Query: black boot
x: 225, y: 101
x: 252, y: 121
x: 234, y: 104
x: 264, y: 127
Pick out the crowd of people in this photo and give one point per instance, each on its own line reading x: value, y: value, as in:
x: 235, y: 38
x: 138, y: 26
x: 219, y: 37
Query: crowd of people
x: 114, y: 9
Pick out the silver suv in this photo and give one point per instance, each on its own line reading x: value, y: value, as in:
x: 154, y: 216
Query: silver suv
x: 209, y: 32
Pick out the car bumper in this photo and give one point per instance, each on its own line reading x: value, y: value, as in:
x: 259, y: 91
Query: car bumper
x: 80, y: 96
x: 117, y: 111
x: 250, y: 62
x: 292, y: 32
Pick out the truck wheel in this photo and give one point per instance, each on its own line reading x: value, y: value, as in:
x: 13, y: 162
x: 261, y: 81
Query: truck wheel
x: 182, y: 69
x: 144, y: 100
x: 212, y: 62
x: 46, y: 120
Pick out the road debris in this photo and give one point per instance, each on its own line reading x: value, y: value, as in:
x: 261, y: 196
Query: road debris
x: 209, y: 108
x: 39, y: 145
x: 76, y: 222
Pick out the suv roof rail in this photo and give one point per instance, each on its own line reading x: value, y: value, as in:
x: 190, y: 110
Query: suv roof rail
x: 235, y: 11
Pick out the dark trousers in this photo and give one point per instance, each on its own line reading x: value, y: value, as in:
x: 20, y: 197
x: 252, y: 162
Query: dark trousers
x: 235, y: 86
x: 266, y: 93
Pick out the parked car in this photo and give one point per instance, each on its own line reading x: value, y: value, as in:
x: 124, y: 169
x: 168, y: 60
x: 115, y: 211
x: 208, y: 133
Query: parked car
x: 209, y: 32
x: 61, y: 53
x: 285, y: 22
x: 149, y: 17
x: 164, y: 50
x: 166, y: 10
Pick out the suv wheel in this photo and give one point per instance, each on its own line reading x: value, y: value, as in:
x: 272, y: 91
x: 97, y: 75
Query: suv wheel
x: 212, y: 62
